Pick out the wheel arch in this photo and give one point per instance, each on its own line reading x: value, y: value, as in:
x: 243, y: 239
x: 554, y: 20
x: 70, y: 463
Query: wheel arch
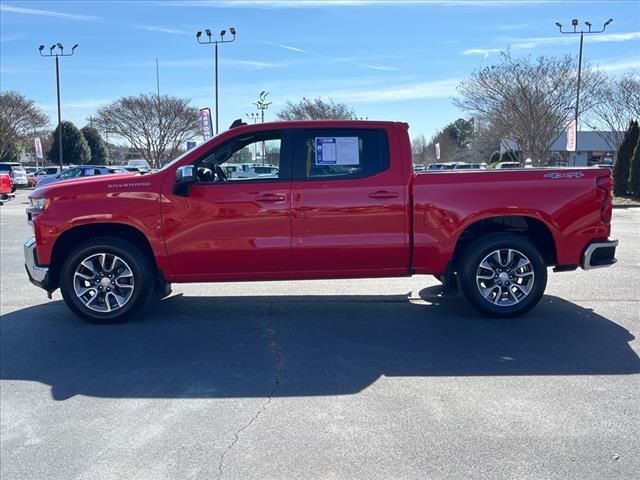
x: 76, y: 235
x: 536, y: 230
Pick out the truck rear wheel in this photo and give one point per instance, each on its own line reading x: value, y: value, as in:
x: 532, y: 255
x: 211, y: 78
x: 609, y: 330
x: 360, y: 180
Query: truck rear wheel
x: 106, y: 279
x: 503, y: 275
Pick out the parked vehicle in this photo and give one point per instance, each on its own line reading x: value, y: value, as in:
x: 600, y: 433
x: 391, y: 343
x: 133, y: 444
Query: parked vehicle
x: 6, y: 188
x: 258, y: 171
x: 48, y: 171
x: 345, y: 204
x: 141, y: 164
x: 77, y: 172
x: 442, y: 166
x: 17, y: 172
x: 470, y: 166
x: 501, y: 165
x: 31, y: 175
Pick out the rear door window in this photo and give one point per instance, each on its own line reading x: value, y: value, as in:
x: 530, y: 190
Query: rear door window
x: 322, y: 154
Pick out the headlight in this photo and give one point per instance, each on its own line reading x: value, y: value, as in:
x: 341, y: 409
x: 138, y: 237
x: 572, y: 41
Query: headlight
x: 39, y: 204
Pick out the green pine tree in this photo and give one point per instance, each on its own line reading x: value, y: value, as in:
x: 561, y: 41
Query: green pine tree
x: 75, y: 149
x: 99, y: 151
x: 623, y: 159
x: 634, y: 177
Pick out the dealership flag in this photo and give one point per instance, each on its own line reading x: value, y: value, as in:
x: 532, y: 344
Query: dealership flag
x: 571, y: 137
x: 204, y: 116
x: 38, y: 145
x: 437, y: 151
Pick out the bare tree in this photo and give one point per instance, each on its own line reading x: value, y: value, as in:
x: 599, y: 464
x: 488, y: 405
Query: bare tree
x: 19, y: 118
x: 316, y: 109
x: 530, y: 100
x: 154, y: 126
x: 486, y: 142
x: 618, y: 104
x: 419, y: 149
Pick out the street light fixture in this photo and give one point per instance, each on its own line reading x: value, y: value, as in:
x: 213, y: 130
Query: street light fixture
x: 574, y: 24
x: 253, y: 116
x: 261, y: 104
x: 57, y: 55
x: 215, y: 42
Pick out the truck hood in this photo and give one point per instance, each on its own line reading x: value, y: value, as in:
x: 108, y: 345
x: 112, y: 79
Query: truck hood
x: 85, y: 184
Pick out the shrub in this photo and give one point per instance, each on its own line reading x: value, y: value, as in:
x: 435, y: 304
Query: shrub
x: 623, y: 159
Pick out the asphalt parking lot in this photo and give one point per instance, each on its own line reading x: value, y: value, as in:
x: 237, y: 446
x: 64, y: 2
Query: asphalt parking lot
x: 367, y: 379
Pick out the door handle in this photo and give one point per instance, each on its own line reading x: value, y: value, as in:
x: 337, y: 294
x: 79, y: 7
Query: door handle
x: 270, y: 197
x: 383, y: 194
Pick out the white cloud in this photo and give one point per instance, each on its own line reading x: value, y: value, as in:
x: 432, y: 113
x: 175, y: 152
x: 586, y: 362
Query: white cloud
x: 350, y: 61
x: 346, y: 3
x: 384, y: 68
x: 286, y: 47
x: 481, y: 51
x: 155, y: 28
x: 208, y: 62
x: 252, y: 64
x: 47, y: 13
x: 434, y: 89
x: 11, y: 38
x: 618, y: 65
x: 534, y: 42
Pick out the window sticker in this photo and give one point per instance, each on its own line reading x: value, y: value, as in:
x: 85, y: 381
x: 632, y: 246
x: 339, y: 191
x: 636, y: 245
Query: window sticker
x: 337, y: 151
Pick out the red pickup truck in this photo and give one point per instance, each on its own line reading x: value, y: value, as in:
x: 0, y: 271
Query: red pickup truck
x: 7, y: 188
x: 343, y: 201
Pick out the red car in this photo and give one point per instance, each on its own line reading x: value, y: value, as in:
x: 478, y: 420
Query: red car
x: 7, y: 188
x: 344, y: 203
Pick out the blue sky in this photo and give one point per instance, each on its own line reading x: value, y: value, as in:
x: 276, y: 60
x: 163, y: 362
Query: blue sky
x: 391, y: 60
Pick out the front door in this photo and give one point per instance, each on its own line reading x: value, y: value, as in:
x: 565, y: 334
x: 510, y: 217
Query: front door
x: 235, y: 222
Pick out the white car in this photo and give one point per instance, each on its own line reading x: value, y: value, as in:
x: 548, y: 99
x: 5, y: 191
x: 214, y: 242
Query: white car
x: 501, y: 165
x: 16, y: 171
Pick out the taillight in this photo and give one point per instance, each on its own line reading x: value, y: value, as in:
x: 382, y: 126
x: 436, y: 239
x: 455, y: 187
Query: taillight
x: 604, y: 184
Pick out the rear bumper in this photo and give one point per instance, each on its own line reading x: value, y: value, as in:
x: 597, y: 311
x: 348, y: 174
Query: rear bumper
x: 599, y: 255
x: 38, y: 275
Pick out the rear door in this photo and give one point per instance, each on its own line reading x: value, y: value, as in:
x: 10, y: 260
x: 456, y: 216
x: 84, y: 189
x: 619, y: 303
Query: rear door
x: 348, y: 204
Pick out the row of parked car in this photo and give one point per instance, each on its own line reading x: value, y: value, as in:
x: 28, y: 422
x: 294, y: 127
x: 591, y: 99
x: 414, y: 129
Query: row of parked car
x: 22, y: 177
x: 466, y: 166
x: 449, y: 166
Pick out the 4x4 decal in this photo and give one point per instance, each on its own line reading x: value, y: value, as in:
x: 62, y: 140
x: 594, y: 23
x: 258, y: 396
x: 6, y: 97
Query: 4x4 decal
x: 564, y: 175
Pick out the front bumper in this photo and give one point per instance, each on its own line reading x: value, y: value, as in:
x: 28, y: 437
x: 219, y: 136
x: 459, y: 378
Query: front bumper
x: 599, y: 255
x: 38, y: 275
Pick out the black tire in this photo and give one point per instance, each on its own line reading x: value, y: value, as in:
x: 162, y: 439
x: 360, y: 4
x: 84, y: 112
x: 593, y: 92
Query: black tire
x: 141, y: 267
x: 508, y: 299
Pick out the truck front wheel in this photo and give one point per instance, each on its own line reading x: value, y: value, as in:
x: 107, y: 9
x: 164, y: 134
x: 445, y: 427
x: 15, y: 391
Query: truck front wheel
x: 106, y: 279
x: 503, y: 275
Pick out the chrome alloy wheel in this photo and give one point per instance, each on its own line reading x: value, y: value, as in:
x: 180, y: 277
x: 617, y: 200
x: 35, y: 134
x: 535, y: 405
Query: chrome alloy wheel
x: 103, y: 282
x: 505, y: 277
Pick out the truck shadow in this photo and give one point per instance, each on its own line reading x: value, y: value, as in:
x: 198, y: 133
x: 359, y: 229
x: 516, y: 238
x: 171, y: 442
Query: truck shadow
x: 222, y: 347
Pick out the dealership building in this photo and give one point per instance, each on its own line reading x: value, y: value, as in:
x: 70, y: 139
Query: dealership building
x: 593, y: 148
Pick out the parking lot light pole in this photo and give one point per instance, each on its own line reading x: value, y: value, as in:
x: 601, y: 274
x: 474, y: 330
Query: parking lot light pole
x: 574, y: 24
x: 253, y: 116
x: 215, y: 42
x: 57, y: 54
x: 261, y: 104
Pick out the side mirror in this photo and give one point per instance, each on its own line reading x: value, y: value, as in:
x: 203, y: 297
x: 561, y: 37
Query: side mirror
x: 185, y: 176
